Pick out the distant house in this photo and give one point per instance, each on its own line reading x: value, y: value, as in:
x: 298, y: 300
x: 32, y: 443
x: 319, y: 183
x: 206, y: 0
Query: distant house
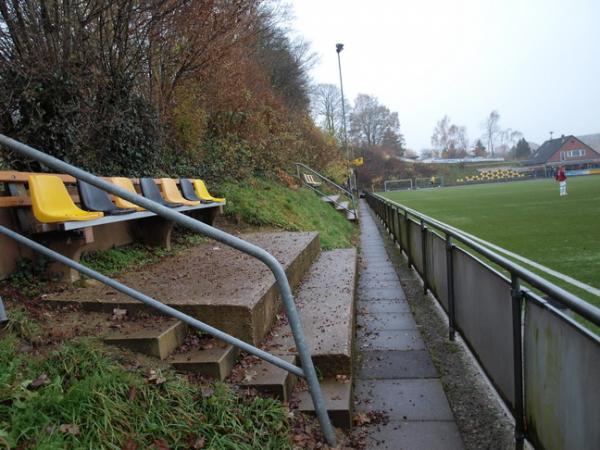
x: 568, y: 151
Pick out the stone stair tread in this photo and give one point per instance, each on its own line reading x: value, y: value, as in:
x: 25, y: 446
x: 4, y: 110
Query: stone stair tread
x: 342, y: 205
x: 215, y: 362
x: 326, y: 307
x: 351, y: 215
x: 338, y: 399
x: 330, y: 198
x: 270, y: 379
x: 155, y: 338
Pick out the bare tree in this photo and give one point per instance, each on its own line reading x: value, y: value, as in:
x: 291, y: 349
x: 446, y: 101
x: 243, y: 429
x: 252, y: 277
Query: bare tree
x: 439, y: 139
x: 507, y: 139
x: 491, y: 128
x: 372, y: 122
x: 450, y: 140
x: 326, y: 106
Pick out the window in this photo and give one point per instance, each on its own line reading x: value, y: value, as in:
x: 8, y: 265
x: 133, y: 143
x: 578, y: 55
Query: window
x: 572, y: 154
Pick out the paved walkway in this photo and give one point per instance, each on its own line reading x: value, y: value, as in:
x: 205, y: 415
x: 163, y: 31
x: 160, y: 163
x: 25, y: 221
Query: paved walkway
x: 396, y: 375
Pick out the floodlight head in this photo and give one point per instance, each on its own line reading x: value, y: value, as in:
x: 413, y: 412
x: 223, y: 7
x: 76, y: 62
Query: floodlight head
x: 339, y: 47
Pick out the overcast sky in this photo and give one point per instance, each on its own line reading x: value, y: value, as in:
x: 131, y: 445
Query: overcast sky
x: 535, y: 61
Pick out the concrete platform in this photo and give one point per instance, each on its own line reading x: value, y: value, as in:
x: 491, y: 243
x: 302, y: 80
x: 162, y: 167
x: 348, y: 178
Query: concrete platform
x: 214, y: 283
x: 326, y: 306
x: 156, y: 339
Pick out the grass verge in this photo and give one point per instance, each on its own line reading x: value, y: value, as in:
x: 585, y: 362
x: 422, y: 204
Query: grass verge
x: 260, y: 202
x: 78, y: 396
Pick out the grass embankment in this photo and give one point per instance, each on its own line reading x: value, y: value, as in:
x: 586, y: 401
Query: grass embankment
x: 260, y: 202
x: 77, y: 395
x: 528, y: 218
x: 255, y: 203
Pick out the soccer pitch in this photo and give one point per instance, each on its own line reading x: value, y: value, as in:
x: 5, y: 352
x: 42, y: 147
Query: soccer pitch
x: 527, y: 218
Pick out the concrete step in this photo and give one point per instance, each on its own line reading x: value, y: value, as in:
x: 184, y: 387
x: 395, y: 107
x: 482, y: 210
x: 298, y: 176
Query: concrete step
x: 215, y: 362
x: 338, y: 398
x: 221, y: 286
x: 271, y: 380
x: 351, y: 215
x: 326, y: 306
x: 330, y: 198
x: 156, y: 338
x: 341, y: 206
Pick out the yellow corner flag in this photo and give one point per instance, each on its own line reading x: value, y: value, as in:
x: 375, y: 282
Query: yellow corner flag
x: 358, y: 162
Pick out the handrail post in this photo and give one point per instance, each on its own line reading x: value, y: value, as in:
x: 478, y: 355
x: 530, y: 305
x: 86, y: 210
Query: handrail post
x: 399, y: 233
x: 408, y: 251
x: 517, y: 298
x: 450, y: 283
x: 424, y: 254
x: 395, y: 224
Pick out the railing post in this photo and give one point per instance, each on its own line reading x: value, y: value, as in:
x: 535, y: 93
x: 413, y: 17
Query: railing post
x: 450, y: 283
x: 408, y: 252
x: 424, y: 253
x: 517, y: 299
x: 399, y: 222
x: 387, y: 217
x: 395, y: 223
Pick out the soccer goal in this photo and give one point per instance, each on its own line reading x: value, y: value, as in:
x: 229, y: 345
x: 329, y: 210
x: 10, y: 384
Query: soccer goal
x: 430, y: 182
x: 398, y: 185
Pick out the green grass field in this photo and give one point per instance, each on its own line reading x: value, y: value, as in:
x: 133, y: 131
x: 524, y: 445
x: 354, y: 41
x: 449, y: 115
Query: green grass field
x: 528, y: 218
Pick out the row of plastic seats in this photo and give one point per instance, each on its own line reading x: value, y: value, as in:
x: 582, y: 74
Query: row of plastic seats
x: 52, y: 203
x: 500, y: 174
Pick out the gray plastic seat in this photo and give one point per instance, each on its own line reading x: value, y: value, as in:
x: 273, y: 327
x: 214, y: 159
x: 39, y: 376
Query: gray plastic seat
x: 188, y: 191
x: 95, y: 199
x: 150, y: 191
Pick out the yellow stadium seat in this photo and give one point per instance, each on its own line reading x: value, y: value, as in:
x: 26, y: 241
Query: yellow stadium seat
x: 172, y: 194
x: 52, y: 203
x: 203, y: 193
x: 127, y: 184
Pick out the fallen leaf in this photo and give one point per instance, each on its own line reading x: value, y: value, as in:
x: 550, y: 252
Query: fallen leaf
x: 69, y: 428
x: 197, y: 443
x: 207, y: 392
x: 250, y: 375
x: 132, y: 393
x: 161, y: 444
x: 119, y: 314
x: 361, y: 419
x: 40, y: 381
x: 155, y: 378
x: 130, y: 445
x: 344, y: 379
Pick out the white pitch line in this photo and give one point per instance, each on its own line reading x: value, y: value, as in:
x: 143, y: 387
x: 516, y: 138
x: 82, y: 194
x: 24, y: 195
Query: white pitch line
x: 554, y: 273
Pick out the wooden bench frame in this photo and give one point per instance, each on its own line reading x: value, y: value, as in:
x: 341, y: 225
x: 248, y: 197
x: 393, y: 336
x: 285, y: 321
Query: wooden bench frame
x: 71, y: 238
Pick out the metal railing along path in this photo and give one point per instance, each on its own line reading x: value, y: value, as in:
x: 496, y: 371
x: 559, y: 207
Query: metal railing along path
x: 331, y: 183
x: 307, y: 371
x: 543, y: 364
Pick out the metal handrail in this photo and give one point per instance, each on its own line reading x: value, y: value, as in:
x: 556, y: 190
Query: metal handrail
x: 581, y: 307
x: 345, y: 191
x: 307, y: 371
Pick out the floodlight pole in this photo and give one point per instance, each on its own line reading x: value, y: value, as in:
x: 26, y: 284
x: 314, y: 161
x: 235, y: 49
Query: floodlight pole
x: 338, y: 48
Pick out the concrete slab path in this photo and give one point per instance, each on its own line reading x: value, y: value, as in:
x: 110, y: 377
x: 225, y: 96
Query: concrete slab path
x: 396, y: 375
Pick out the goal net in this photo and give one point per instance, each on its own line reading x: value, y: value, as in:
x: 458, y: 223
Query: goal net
x: 429, y: 182
x: 398, y: 185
